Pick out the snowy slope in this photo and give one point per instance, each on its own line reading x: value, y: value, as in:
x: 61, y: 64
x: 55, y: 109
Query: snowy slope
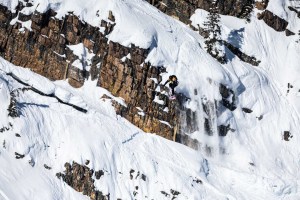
x: 53, y: 134
x: 257, y: 164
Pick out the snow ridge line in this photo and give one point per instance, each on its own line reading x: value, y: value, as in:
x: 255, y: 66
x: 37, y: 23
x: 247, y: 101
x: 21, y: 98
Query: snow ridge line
x: 43, y: 94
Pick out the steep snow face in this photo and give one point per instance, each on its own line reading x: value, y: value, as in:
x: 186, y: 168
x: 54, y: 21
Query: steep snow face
x: 256, y: 162
x: 52, y: 133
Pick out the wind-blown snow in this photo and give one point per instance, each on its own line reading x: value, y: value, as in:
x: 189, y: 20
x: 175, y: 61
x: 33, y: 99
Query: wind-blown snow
x: 257, y: 162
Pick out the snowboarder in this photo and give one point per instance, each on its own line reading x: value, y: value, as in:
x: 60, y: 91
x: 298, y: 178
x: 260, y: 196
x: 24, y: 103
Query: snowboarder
x: 173, y: 82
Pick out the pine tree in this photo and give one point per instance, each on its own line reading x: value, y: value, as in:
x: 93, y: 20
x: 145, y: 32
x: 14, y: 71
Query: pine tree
x: 13, y: 110
x: 213, y: 40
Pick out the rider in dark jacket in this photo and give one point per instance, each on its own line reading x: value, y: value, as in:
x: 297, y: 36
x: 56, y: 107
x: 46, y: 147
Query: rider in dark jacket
x: 173, y: 82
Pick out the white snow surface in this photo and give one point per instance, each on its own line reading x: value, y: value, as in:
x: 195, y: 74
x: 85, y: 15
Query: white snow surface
x: 84, y: 60
x: 257, y: 162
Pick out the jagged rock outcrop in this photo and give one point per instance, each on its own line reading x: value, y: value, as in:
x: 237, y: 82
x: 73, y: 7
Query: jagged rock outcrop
x: 81, y: 179
x: 273, y: 20
x: 137, y: 82
x: 45, y: 51
x: 184, y: 9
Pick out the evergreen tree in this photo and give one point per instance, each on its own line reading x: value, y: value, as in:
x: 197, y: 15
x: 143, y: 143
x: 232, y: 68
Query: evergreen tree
x: 213, y: 40
x: 13, y: 109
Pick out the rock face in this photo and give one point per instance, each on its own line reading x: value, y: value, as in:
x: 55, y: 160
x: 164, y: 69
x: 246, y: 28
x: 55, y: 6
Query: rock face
x: 137, y: 83
x: 81, y: 179
x: 184, y: 9
x: 273, y: 21
x: 45, y: 50
x: 119, y: 69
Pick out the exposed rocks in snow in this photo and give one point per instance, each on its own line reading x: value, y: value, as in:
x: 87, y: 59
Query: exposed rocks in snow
x: 87, y: 162
x: 5, y: 128
x: 260, y: 117
x: 98, y: 174
x: 164, y: 193
x: 287, y: 135
x: 273, y: 20
x: 111, y: 17
x: 18, y: 135
x: 197, y: 180
x: 247, y: 110
x: 244, y: 57
x: 138, y: 175
x: 47, y: 167
x: 183, y: 9
x: 131, y: 172
x: 81, y: 179
x: 22, y: 17
x: 144, y: 177
x: 261, y: 5
x: 173, y: 194
x: 228, y: 97
x: 223, y: 130
x: 294, y: 10
x: 290, y: 86
x: 289, y: 33
x: 19, y: 156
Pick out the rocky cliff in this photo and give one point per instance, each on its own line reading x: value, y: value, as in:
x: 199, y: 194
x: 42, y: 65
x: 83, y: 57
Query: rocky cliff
x: 45, y: 50
x: 44, y: 47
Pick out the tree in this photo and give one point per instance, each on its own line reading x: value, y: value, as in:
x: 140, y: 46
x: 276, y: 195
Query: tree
x: 213, y: 41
